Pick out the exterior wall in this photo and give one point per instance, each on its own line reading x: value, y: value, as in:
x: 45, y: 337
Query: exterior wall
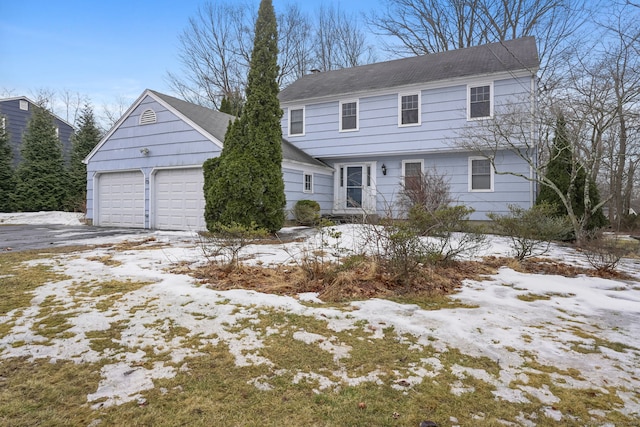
x: 171, y: 143
x: 294, y: 190
x: 17, y: 120
x: 443, y: 115
x: 507, y: 189
x: 443, y: 119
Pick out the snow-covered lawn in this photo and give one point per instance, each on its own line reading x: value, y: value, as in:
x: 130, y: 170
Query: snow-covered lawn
x: 521, y: 322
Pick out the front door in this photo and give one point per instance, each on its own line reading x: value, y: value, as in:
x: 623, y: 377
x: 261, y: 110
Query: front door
x: 355, y: 186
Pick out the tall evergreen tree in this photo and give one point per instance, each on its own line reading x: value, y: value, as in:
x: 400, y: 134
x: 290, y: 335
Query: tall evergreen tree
x: 7, y: 179
x: 246, y: 185
x: 41, y: 178
x: 568, y: 175
x: 82, y: 142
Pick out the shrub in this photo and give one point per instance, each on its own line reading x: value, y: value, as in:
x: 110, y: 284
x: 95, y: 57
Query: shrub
x: 306, y: 212
x: 531, y: 230
x: 228, y: 240
x: 429, y: 191
x: 603, y: 252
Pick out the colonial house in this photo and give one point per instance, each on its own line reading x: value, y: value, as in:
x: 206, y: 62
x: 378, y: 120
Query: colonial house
x: 15, y: 114
x: 351, y: 137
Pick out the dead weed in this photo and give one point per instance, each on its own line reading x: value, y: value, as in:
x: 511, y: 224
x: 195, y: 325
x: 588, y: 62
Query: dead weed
x: 365, y: 279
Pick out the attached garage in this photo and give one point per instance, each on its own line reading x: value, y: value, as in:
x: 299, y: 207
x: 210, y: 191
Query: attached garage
x: 178, y: 199
x: 120, y: 201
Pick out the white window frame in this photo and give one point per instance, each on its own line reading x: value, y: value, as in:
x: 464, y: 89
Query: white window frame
x: 491, y: 100
x: 404, y: 162
x: 470, y: 177
x: 349, y: 101
x: 304, y: 182
x: 24, y: 105
x: 400, y: 95
x: 304, y: 120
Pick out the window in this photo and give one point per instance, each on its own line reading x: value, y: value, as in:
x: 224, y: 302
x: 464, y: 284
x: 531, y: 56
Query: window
x: 57, y: 132
x: 308, y: 183
x: 24, y: 105
x: 480, y: 174
x: 4, y: 123
x: 409, y: 109
x: 412, y: 173
x: 480, y: 102
x: 296, y: 121
x: 148, y: 117
x: 349, y: 115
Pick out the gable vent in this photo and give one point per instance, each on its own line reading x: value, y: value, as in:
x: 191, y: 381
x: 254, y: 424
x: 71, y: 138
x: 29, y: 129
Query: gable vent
x: 148, y: 117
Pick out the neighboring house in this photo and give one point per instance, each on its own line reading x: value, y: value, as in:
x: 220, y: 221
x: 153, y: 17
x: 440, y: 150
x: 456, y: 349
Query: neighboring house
x: 15, y: 114
x: 147, y: 170
x: 351, y: 138
x: 382, y: 123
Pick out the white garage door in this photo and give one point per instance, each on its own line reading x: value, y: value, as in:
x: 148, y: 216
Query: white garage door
x: 179, y: 199
x: 121, y: 199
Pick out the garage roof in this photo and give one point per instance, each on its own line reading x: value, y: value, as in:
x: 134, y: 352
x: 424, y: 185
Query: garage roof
x: 216, y: 123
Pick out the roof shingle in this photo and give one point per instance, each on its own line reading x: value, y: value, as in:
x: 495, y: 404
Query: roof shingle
x: 511, y: 55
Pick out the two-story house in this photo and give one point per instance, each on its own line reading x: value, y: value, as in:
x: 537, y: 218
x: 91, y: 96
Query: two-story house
x: 15, y: 114
x: 350, y: 139
x: 378, y: 124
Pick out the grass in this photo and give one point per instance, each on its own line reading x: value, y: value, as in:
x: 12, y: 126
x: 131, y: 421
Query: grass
x: 357, y: 375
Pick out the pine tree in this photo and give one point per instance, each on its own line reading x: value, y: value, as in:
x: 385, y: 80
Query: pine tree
x: 7, y: 178
x: 246, y: 185
x: 232, y: 104
x: 82, y: 142
x: 41, y: 178
x: 570, y: 178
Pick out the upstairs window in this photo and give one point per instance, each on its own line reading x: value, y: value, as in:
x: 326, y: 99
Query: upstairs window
x: 296, y: 121
x: 480, y: 102
x: 349, y: 115
x: 480, y: 174
x: 409, y: 109
x: 24, y: 105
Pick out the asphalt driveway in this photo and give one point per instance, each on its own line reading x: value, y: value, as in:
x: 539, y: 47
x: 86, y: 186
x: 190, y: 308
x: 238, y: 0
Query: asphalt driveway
x: 40, y: 236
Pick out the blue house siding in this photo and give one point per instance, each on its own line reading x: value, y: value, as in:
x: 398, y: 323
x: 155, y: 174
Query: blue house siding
x: 16, y: 121
x: 443, y: 115
x: 507, y: 189
x: 294, y: 188
x: 171, y: 143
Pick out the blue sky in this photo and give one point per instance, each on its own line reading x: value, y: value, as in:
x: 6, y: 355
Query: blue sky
x: 103, y: 49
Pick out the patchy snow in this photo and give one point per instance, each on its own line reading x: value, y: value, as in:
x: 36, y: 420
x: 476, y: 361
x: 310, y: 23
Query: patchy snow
x: 504, y: 328
x: 25, y: 218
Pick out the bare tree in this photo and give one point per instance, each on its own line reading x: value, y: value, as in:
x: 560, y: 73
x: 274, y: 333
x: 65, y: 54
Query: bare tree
x: 515, y: 130
x: 214, y: 54
x: 418, y: 27
x: 339, y: 41
x: 72, y: 104
x: 215, y: 48
x: 112, y: 112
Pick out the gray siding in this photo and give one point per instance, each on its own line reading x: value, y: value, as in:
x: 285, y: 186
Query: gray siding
x: 171, y: 143
x: 17, y: 121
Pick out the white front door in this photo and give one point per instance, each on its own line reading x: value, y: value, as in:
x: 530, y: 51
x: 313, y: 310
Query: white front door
x: 355, y: 188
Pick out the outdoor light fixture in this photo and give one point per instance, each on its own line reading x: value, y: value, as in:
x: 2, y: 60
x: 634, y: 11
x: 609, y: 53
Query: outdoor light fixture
x: 384, y: 169
x: 144, y: 151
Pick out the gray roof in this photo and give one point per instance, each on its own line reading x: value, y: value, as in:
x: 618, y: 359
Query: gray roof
x: 511, y: 55
x: 216, y: 123
x: 213, y: 121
